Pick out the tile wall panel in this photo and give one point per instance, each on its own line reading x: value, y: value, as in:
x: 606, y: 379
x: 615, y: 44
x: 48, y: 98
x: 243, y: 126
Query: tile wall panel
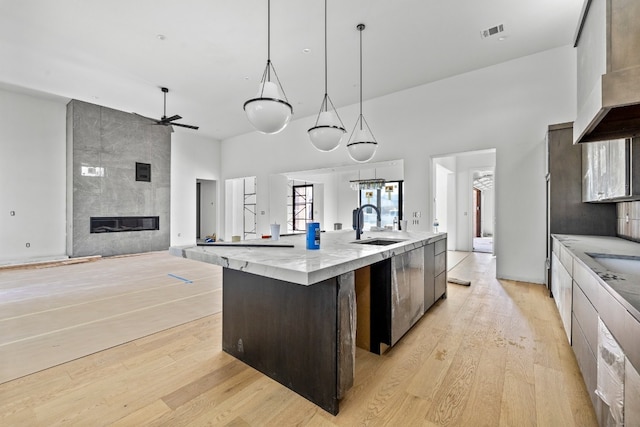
x: 115, y: 141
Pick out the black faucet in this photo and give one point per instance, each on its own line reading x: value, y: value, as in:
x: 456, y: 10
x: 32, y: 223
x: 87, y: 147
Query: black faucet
x: 359, y: 220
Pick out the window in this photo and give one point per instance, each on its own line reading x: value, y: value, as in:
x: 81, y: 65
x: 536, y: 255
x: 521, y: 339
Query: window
x: 388, y: 200
x: 302, y: 211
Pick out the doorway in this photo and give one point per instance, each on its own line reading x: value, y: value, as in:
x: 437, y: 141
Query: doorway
x: 483, y: 196
x: 206, y: 208
x: 463, y: 202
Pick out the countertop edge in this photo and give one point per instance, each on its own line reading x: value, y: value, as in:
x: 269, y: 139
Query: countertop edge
x: 306, y: 278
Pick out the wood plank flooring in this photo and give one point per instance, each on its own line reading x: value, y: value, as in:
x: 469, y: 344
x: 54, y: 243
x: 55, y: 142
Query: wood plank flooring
x: 53, y: 315
x: 492, y: 354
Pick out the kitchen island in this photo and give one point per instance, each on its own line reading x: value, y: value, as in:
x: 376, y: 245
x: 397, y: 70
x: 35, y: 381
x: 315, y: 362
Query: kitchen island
x: 291, y: 312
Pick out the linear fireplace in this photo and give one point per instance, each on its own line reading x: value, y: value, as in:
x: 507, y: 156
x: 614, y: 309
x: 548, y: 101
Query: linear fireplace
x: 114, y: 224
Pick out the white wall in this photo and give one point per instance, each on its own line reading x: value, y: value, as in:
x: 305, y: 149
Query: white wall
x: 33, y: 180
x: 487, y: 219
x: 32, y: 177
x: 193, y: 157
x: 507, y: 106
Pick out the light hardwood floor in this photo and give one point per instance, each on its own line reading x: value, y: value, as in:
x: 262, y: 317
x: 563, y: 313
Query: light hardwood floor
x: 53, y: 315
x: 492, y: 354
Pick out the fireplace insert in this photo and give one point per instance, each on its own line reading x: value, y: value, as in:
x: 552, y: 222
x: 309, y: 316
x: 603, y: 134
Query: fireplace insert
x: 114, y: 224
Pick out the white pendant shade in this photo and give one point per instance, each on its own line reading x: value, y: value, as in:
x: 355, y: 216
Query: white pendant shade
x: 363, y: 146
x: 268, y: 112
x: 327, y: 133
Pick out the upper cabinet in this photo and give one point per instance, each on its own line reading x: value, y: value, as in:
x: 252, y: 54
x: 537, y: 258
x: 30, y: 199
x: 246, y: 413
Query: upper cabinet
x: 608, y: 91
x: 611, y: 170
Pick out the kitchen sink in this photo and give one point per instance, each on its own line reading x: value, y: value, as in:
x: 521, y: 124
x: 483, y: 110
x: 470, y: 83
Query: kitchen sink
x: 377, y: 242
x: 624, y: 264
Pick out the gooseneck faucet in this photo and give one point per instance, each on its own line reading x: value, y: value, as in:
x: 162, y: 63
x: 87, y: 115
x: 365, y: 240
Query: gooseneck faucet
x: 359, y: 220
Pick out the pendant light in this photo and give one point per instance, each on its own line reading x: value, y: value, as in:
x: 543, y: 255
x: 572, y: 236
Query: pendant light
x: 328, y: 130
x: 270, y: 111
x: 362, y: 144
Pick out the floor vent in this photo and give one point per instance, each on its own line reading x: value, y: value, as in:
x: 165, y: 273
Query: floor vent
x: 492, y: 31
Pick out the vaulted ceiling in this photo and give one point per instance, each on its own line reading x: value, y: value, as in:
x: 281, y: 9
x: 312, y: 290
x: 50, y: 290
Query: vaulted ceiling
x: 211, y: 53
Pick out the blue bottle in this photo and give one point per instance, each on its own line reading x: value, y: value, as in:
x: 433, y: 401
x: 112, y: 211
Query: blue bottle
x: 313, y: 235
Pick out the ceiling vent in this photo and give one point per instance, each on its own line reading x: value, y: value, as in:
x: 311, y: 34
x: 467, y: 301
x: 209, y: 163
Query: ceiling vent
x: 492, y: 31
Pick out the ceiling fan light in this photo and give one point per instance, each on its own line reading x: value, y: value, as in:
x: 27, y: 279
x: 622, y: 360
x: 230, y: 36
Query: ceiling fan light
x: 268, y: 113
x: 327, y: 133
x: 363, y: 146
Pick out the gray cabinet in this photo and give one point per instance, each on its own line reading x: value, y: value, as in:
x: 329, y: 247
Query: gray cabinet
x: 631, y: 395
x: 606, y: 170
x: 440, y: 269
x: 584, y: 329
x: 592, y: 300
x: 435, y: 277
x: 429, y: 276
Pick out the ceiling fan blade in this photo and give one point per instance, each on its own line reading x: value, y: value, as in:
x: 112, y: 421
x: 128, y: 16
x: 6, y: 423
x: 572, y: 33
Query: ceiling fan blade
x: 170, y: 119
x: 185, y: 126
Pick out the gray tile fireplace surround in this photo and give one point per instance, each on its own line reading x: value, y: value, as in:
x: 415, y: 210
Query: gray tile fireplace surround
x: 103, y: 147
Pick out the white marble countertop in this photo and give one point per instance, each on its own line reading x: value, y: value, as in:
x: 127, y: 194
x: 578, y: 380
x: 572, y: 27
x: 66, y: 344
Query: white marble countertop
x: 625, y: 287
x: 337, y: 254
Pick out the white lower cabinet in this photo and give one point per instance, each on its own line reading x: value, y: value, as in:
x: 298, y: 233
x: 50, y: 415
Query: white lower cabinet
x: 592, y: 309
x: 561, y: 288
x: 631, y: 395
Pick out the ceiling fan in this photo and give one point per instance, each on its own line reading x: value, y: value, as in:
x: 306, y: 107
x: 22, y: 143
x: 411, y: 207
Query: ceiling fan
x: 165, y: 121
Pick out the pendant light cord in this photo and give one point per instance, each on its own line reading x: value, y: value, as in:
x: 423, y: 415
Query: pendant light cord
x: 268, y: 39
x: 326, y: 91
x: 361, y: 28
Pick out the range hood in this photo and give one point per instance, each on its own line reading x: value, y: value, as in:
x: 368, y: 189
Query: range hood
x: 608, y: 95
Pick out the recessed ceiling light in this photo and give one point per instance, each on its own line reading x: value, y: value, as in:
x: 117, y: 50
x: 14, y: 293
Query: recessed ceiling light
x: 306, y: 50
x: 161, y: 37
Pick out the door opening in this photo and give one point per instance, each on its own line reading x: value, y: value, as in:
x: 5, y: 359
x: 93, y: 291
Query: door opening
x: 466, y: 215
x: 482, y: 215
x: 206, y: 208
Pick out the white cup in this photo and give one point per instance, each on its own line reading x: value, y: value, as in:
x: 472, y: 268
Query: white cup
x: 403, y: 225
x: 275, y: 231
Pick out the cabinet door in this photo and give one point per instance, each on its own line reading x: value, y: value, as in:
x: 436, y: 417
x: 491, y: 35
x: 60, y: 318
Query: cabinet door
x: 631, y: 395
x: 561, y: 283
x: 586, y: 361
x: 617, y: 172
x: 429, y: 275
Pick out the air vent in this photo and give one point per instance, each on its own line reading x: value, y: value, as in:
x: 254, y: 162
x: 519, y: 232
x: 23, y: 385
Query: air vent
x: 492, y: 31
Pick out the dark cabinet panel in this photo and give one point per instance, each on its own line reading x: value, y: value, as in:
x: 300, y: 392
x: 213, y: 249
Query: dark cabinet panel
x: 286, y: 331
x: 567, y: 213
